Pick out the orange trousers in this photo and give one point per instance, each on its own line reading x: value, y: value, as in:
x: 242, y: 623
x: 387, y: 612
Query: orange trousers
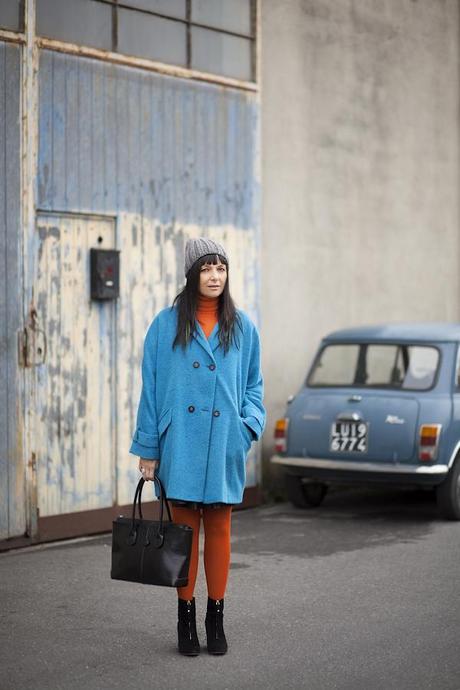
x: 217, y: 527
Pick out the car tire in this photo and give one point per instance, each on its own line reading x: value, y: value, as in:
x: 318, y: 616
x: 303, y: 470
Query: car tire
x: 304, y: 495
x: 448, y: 493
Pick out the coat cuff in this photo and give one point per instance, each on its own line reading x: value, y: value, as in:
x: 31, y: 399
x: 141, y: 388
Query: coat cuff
x: 145, y: 445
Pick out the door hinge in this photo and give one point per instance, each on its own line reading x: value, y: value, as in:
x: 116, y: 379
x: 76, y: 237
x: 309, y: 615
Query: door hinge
x: 31, y: 343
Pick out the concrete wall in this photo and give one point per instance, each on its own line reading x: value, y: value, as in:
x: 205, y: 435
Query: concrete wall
x: 359, y: 171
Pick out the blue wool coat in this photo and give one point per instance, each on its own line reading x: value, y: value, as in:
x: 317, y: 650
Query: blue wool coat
x: 200, y: 410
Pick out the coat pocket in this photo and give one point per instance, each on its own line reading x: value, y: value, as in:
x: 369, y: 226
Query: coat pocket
x: 164, y: 421
x: 246, y: 434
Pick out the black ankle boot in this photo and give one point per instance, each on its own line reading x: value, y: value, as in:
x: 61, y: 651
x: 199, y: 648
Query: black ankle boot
x: 186, y: 627
x: 215, y: 636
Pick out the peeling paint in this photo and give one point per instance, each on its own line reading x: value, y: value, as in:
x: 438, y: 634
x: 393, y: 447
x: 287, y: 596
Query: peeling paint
x: 75, y: 390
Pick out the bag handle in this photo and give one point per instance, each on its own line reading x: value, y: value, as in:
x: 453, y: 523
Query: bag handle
x: 158, y: 536
x: 138, y: 496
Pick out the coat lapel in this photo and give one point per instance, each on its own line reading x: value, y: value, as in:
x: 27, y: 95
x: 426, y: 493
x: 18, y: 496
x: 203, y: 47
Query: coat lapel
x: 208, y: 344
x: 214, y: 337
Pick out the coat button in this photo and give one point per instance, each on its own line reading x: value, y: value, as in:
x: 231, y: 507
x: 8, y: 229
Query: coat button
x: 191, y: 408
x: 196, y: 364
x: 212, y: 367
x: 216, y: 413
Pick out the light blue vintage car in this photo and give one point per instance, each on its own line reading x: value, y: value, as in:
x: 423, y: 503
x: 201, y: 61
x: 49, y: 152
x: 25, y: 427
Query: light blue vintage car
x: 380, y: 404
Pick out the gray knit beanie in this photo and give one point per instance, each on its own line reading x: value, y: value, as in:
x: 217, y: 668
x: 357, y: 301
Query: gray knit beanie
x: 196, y: 248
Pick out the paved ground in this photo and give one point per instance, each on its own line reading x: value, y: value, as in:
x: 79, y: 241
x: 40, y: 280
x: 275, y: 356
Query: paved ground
x: 360, y: 594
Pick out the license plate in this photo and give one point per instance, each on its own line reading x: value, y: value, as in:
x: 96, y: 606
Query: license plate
x: 349, y: 437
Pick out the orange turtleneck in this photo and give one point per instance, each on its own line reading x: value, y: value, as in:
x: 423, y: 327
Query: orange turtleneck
x: 207, y: 313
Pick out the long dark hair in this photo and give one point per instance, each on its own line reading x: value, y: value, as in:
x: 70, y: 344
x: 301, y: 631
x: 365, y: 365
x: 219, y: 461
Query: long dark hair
x: 187, y: 302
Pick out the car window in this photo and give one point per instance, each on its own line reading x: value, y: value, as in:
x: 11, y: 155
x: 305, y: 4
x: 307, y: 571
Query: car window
x: 407, y: 367
x: 384, y: 364
x: 336, y: 366
x: 422, y: 365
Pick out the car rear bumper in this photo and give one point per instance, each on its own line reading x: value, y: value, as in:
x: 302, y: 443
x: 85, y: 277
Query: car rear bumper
x: 346, y: 470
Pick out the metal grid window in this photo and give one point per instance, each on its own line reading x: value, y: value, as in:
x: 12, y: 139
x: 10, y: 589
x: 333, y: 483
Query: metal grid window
x: 212, y: 36
x: 12, y: 15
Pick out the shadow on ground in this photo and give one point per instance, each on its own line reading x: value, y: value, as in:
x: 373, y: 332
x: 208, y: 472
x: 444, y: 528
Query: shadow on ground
x: 349, y: 519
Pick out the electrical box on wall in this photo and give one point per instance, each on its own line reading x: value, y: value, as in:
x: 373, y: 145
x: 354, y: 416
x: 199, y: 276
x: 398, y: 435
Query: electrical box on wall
x: 105, y: 273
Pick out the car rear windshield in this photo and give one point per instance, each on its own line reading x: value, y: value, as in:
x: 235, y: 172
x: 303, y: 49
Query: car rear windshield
x: 402, y: 366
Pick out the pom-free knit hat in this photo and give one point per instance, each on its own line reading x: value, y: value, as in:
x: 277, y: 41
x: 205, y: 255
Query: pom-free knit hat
x: 196, y: 248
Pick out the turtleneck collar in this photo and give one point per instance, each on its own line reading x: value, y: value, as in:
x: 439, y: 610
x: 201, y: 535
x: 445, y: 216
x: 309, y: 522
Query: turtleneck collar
x: 207, y: 304
x: 207, y: 313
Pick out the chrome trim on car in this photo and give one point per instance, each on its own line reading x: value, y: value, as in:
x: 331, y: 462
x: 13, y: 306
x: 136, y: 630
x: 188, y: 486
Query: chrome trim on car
x: 454, y: 455
x: 388, y: 467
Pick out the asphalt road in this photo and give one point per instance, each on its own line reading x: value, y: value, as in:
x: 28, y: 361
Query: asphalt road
x: 362, y: 593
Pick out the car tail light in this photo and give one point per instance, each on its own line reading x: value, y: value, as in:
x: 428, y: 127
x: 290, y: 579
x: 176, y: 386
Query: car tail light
x: 429, y: 441
x: 281, y: 428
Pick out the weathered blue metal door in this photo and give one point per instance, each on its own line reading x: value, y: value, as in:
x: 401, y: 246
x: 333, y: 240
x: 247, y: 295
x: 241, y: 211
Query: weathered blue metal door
x: 74, y: 426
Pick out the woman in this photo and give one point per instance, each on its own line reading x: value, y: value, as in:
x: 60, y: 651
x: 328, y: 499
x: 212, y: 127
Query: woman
x: 200, y: 409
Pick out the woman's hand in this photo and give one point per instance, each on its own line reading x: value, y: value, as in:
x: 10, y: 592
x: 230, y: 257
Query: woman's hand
x: 147, y: 468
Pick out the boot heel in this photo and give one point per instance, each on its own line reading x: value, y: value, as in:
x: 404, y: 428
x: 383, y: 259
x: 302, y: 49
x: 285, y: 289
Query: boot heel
x: 188, y: 642
x: 214, y: 623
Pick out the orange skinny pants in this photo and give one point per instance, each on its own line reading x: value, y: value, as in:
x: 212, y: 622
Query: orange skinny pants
x: 217, y: 527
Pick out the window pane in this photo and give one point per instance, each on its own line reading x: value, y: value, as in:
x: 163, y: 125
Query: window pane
x: 171, y: 8
x: 76, y: 21
x: 336, y: 366
x: 221, y: 54
x: 11, y: 15
x: 423, y: 365
x: 384, y: 365
x: 232, y: 15
x: 151, y: 37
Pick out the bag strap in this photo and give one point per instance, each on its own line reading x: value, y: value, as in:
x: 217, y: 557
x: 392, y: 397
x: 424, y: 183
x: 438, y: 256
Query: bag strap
x: 138, y: 496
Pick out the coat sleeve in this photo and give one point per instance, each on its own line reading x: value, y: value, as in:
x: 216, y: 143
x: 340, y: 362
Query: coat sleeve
x: 145, y: 438
x: 254, y: 413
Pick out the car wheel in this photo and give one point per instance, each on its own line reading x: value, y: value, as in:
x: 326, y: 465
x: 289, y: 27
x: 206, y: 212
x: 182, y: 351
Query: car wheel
x: 448, y: 493
x: 304, y: 495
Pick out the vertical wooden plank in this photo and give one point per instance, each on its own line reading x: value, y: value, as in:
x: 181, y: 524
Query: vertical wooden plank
x: 47, y: 430
x: 93, y: 376
x: 71, y: 151
x: 4, y: 455
x: 45, y: 135
x: 85, y: 126
x: 209, y: 107
x: 110, y: 125
x: 98, y: 135
x: 12, y: 488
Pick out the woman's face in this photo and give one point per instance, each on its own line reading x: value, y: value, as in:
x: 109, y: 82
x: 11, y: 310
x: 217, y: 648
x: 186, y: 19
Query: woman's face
x: 212, y: 279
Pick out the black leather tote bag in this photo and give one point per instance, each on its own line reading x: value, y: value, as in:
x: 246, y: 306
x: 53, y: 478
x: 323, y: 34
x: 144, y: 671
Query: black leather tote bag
x: 150, y: 551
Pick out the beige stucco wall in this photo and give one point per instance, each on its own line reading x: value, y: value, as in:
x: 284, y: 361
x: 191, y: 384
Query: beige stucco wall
x: 360, y: 168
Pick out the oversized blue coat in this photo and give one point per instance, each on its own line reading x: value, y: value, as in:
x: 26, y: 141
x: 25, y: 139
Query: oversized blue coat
x: 200, y: 410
